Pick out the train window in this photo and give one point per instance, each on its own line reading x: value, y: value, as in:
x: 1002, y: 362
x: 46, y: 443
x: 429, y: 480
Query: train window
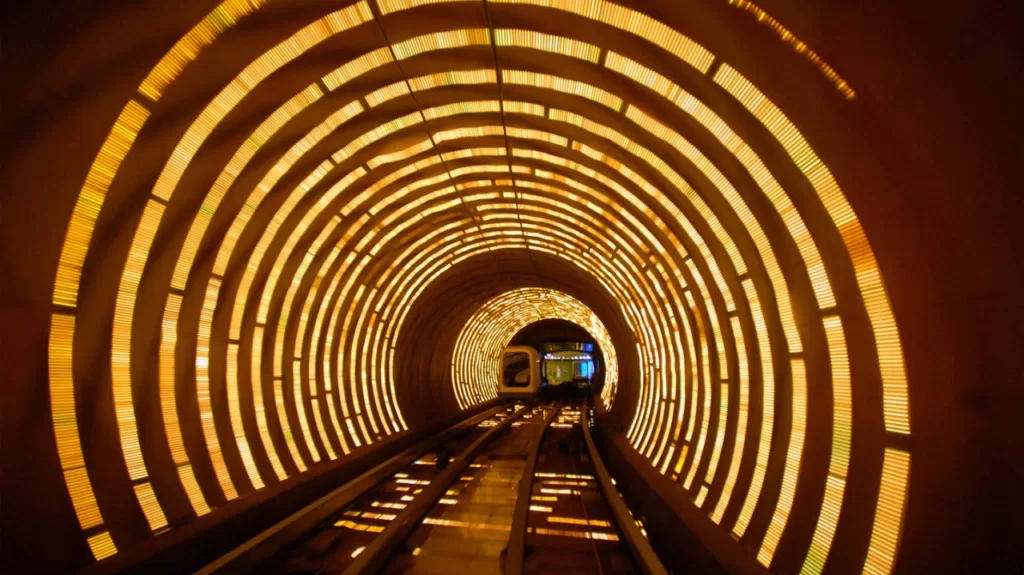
x: 516, y: 369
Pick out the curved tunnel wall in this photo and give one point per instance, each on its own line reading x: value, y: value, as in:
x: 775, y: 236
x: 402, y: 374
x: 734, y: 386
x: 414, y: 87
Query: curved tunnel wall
x: 255, y: 230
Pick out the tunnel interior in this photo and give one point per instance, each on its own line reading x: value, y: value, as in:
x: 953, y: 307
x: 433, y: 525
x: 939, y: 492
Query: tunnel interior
x: 248, y: 242
x: 559, y: 331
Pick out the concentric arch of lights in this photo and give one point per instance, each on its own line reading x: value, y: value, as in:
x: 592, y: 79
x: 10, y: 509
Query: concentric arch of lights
x: 281, y: 337
x: 492, y: 326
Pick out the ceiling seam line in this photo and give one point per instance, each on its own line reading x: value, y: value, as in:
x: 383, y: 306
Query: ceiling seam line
x: 374, y: 9
x: 504, y: 131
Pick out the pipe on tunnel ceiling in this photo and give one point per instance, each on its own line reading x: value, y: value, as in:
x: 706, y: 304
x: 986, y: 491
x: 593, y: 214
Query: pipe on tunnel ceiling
x: 257, y: 299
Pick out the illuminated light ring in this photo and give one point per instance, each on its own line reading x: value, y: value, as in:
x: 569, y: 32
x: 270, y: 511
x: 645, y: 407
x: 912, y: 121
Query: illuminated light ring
x: 887, y: 411
x: 791, y: 457
x: 235, y: 327
x: 493, y: 325
x: 510, y: 224
x: 569, y: 228
x: 77, y: 242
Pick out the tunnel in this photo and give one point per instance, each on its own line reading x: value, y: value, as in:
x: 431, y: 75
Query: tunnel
x: 253, y: 247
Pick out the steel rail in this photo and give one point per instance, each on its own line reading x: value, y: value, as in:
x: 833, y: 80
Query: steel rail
x: 377, y: 553
x: 643, y: 554
x: 515, y: 551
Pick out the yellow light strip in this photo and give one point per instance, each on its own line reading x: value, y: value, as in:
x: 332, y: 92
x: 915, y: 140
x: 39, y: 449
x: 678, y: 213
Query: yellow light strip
x: 633, y: 22
x: 376, y: 134
x: 575, y: 521
x: 462, y: 108
x: 563, y: 85
x: 456, y: 78
x: 716, y: 450
x: 169, y: 403
x: 842, y: 430
x: 120, y: 371
x: 513, y: 107
x: 792, y: 467
x: 528, y: 134
x: 576, y: 534
x: 357, y: 67
x: 188, y: 48
x: 885, y: 535
x: 236, y: 417
x: 65, y: 422
x: 472, y: 153
x: 474, y: 132
x: 767, y: 406
x: 203, y: 389
x: 101, y: 545
x: 150, y: 508
x: 256, y: 379
x: 381, y: 95
x: 548, y: 43
x: 705, y: 385
x: 300, y: 410
x: 890, y: 354
x: 402, y: 154
x: 90, y: 200
x: 741, y: 426
x: 441, y: 41
x: 389, y: 6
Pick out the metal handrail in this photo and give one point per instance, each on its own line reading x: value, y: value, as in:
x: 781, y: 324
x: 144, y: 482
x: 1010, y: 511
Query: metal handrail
x: 644, y: 555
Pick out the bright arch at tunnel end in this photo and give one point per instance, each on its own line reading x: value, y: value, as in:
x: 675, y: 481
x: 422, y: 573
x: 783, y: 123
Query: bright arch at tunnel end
x: 476, y: 359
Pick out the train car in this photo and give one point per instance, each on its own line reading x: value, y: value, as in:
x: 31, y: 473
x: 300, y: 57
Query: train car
x: 520, y: 372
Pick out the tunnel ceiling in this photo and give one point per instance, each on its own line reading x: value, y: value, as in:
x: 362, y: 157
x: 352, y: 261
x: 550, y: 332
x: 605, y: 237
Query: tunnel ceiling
x: 291, y: 195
